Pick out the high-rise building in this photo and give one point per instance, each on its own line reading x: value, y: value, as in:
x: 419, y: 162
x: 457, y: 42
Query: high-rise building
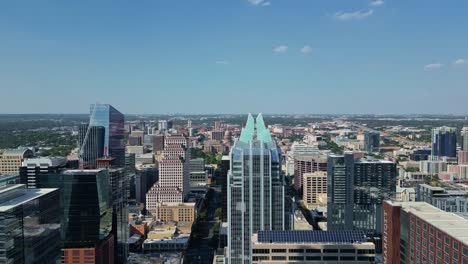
x: 356, y: 190
x: 464, y: 134
x: 91, y: 141
x: 29, y: 225
x: 463, y: 157
x: 225, y: 166
x: 417, y: 232
x: 444, y: 142
x: 371, y: 141
x: 87, y: 216
x: 256, y: 191
x: 198, y: 175
x: 36, y: 172
x: 315, y: 189
x: 173, y: 184
x: 146, y: 176
x: 162, y: 125
x: 307, y: 164
x: 11, y: 159
x: 320, y: 247
x: 112, y: 120
x: 217, y: 135
x: 158, y: 143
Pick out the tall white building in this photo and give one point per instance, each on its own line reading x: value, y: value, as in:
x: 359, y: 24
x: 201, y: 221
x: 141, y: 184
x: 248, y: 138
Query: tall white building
x: 173, y: 183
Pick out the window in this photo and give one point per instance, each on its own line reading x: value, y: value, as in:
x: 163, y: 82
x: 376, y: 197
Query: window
x: 261, y: 251
x: 296, y: 250
x: 352, y: 250
x: 362, y: 258
x: 313, y: 250
x: 301, y: 258
x: 278, y: 258
x: 347, y: 258
x: 278, y: 250
x: 330, y: 258
x: 313, y: 258
x: 330, y: 250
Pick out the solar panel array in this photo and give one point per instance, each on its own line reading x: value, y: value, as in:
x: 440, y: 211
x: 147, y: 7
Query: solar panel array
x: 309, y: 236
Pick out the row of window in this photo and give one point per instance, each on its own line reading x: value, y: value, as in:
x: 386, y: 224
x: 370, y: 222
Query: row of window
x: 309, y: 258
x: 312, y: 250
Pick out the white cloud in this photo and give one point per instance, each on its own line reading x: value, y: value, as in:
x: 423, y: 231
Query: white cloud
x: 280, y: 49
x: 377, y: 3
x: 460, y: 62
x: 306, y: 49
x: 358, y: 15
x: 259, y: 2
x: 223, y: 62
x: 433, y: 66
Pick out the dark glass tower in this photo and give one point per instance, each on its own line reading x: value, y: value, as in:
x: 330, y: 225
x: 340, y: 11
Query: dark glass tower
x: 112, y: 120
x: 356, y: 190
x: 91, y: 142
x: 371, y: 141
x: 444, y: 142
x: 29, y: 225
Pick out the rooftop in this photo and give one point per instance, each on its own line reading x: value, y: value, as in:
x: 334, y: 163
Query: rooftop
x: 449, y: 223
x: 310, y: 236
x: 22, y: 197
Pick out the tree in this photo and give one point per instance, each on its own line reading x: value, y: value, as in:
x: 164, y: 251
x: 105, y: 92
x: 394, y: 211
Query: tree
x: 218, y: 213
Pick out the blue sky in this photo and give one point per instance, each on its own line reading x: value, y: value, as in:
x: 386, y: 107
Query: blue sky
x: 235, y: 56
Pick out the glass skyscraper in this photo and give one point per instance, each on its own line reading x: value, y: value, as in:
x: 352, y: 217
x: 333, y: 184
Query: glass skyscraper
x: 91, y: 141
x: 112, y: 120
x: 29, y: 225
x: 256, y: 194
x: 444, y: 142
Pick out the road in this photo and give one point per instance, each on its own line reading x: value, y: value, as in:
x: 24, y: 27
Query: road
x: 199, y: 250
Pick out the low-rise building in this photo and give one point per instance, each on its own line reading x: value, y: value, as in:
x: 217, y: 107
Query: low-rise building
x: 312, y: 247
x: 314, y: 192
x: 176, y: 212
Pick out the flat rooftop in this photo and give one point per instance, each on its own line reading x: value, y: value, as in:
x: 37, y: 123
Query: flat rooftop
x: 310, y: 236
x: 26, y: 196
x: 449, y: 223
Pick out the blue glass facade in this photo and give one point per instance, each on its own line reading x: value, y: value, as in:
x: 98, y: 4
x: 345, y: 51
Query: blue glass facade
x: 112, y: 120
x: 444, y: 142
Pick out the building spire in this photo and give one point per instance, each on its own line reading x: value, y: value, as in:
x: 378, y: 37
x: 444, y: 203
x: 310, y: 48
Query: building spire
x: 248, y: 131
x: 263, y: 133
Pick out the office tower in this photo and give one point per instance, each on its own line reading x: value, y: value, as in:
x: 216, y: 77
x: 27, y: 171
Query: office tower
x: 299, y: 150
x: 112, y: 120
x: 371, y: 141
x: 225, y: 165
x: 420, y: 154
x: 256, y: 193
x: 217, y: 135
x: 444, y: 142
x: 464, y: 134
x: 189, y: 123
x: 91, y: 141
x: 138, y: 134
x: 198, y: 176
x: 162, y: 125
x: 173, y: 183
x: 417, y: 232
x: 158, y: 143
x: 36, y: 172
x: 146, y: 176
x: 315, y: 189
x: 134, y: 141
x: 312, y: 247
x: 218, y: 125
x: 87, y: 216
x: 307, y: 164
x: 11, y: 159
x: 355, y: 192
x: 432, y: 166
x: 29, y: 225
x: 463, y: 157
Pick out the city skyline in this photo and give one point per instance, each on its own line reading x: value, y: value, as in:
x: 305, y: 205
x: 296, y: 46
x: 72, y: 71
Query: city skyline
x: 310, y: 56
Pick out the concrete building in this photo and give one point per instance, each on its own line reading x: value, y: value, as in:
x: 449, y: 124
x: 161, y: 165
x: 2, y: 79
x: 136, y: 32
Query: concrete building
x: 417, y: 232
x: 173, y: 184
x: 432, y: 166
x: 12, y: 159
x: 307, y: 164
x: 176, y: 212
x: 463, y: 156
x: 314, y: 192
x: 30, y: 225
x: 33, y: 169
x: 217, y: 135
x: 158, y: 143
x: 198, y: 175
x: 256, y: 191
x: 324, y: 247
x: 137, y: 150
x: 464, y: 134
x: 145, y: 177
